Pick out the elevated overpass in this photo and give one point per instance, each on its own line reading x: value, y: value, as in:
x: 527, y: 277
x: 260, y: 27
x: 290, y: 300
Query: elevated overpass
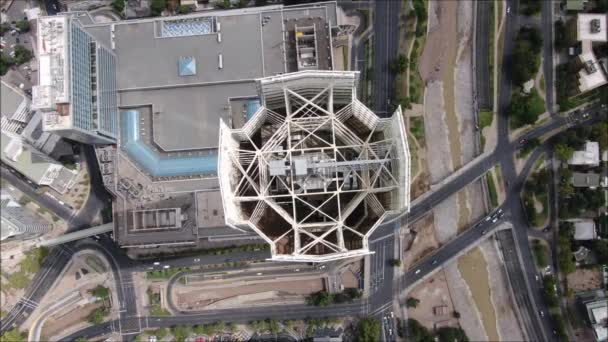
x: 77, y: 235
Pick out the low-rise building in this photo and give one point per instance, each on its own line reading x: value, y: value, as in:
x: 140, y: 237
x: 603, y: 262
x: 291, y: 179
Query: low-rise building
x: 597, y: 310
x: 584, y: 229
x: 585, y: 180
x: 589, y: 156
x: 590, y: 29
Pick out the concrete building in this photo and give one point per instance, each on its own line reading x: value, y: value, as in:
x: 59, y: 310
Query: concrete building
x: 19, y: 222
x: 585, y: 180
x: 77, y: 82
x: 591, y: 28
x: 589, y: 156
x: 198, y: 69
x: 584, y: 229
x: 18, y: 135
x: 314, y: 172
x: 597, y: 311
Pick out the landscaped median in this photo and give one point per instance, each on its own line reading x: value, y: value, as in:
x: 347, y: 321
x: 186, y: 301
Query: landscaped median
x: 535, y: 195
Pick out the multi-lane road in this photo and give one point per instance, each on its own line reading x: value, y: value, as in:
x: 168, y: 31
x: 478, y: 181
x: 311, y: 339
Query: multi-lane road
x: 386, y: 45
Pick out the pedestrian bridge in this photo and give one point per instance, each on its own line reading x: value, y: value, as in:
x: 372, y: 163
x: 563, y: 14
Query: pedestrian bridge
x: 77, y: 235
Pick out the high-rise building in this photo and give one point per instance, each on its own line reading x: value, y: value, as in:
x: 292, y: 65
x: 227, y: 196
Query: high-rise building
x: 77, y: 82
x: 314, y: 172
x: 20, y: 222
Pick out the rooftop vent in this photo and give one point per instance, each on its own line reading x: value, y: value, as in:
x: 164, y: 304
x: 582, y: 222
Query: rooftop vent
x: 595, y: 26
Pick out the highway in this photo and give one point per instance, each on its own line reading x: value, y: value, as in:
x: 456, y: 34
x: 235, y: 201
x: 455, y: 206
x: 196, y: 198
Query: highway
x: 482, y: 55
x: 386, y: 46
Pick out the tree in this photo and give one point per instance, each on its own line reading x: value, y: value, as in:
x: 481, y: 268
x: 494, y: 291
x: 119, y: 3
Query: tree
x: 417, y: 332
x: 530, y: 7
x: 321, y: 298
x: 13, y: 335
x: 369, y: 330
x: 450, y: 334
x: 5, y: 63
x: 352, y: 292
x: 182, y: 9
x: 181, y: 332
x: 160, y: 333
x: 524, y: 109
x: 526, y: 55
x: 157, y: 7
x: 563, y: 152
x: 4, y: 27
x: 98, y: 315
x: 22, y: 55
x: 412, y: 302
x: 261, y: 3
x: 101, y: 292
x: 600, y: 247
x: 118, y: 6
x: 400, y: 64
x: 396, y: 262
x: 566, y: 189
x: 81, y: 339
x: 599, y: 133
x: 456, y: 314
x: 23, y: 25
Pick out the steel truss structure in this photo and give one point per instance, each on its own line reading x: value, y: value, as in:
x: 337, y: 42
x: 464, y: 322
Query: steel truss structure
x: 314, y: 172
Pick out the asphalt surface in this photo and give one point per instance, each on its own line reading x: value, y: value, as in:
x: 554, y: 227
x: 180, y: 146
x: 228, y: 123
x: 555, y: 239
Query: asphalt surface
x: 482, y: 55
x: 386, y: 45
x: 548, y: 67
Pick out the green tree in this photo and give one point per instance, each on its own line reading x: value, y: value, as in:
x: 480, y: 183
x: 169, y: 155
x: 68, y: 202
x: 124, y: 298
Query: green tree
x: 98, y: 315
x: 599, y: 133
x: 417, y: 332
x: 5, y: 63
x: 13, y: 335
x: 118, y: 6
x: 23, y: 25
x: 101, y: 292
x: 181, y: 332
x: 182, y: 9
x: 81, y: 339
x: 450, y: 334
x: 563, y: 152
x: 400, y: 64
x: 4, y: 27
x: 369, y: 330
x: 524, y: 109
x: 157, y: 7
x: 412, y: 302
x: 22, y: 55
x: 160, y: 333
x: 600, y: 247
x: 396, y: 262
x: 530, y: 7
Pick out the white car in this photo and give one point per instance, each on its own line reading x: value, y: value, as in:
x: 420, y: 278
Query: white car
x: 166, y: 266
x: 508, y: 9
x: 417, y: 271
x: 156, y: 263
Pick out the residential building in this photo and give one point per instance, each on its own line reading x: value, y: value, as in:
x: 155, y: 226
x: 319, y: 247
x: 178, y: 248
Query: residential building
x: 589, y: 156
x: 576, y: 5
x: 591, y: 28
x: 584, y: 229
x: 19, y: 222
x: 585, y: 180
x: 597, y: 311
x: 77, y: 82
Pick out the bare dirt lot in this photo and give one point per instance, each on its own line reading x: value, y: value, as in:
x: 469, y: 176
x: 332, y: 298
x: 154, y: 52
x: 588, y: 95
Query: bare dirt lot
x: 584, y: 280
x: 424, y: 242
x: 238, y: 294
x: 57, y: 324
x: 432, y: 294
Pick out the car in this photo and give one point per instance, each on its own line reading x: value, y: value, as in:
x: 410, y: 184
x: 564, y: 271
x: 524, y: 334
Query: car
x: 495, y: 220
x: 392, y: 314
x: 542, y: 313
x: 156, y: 263
x: 523, y: 141
x: 259, y: 273
x: 390, y: 332
x: 536, y: 277
x: 488, y: 218
x: 434, y: 262
x: 508, y: 9
x: 585, y: 115
x: 197, y: 260
x: 166, y: 266
x: 417, y: 271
